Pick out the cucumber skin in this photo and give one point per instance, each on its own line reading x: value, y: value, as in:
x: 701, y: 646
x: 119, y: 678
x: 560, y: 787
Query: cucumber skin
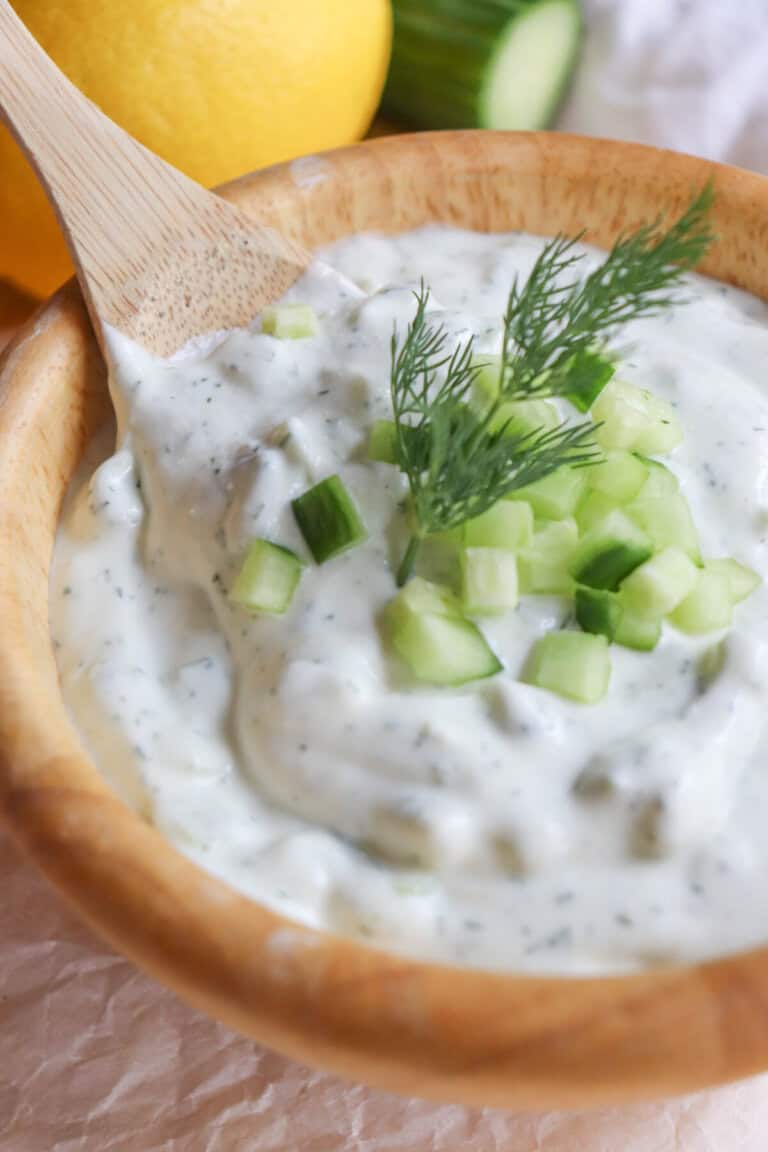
x: 441, y: 53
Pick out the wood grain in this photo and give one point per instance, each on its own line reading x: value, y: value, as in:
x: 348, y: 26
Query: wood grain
x: 469, y: 1036
x: 158, y: 256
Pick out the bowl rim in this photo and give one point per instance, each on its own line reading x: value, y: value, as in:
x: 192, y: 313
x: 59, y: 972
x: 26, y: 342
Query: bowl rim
x: 420, y: 1028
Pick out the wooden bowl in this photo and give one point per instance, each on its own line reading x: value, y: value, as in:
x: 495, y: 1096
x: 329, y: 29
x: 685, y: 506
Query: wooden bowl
x: 422, y: 1029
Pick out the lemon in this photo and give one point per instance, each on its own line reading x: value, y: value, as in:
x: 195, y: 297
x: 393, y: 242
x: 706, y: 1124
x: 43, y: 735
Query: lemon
x: 216, y: 87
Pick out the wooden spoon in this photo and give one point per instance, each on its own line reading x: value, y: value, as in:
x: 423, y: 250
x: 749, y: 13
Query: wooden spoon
x: 157, y: 256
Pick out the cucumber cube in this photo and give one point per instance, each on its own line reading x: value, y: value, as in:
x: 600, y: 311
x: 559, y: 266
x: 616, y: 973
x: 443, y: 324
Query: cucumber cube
x: 620, y: 475
x: 636, y: 420
x: 639, y: 632
x: 661, y: 481
x: 707, y: 607
x: 668, y: 522
x: 289, y: 321
x: 526, y: 417
x: 382, y: 442
x: 439, y: 647
x: 593, y: 508
x: 658, y: 586
x: 576, y: 665
x: 268, y: 578
x: 598, y: 611
x: 611, y: 549
x: 488, y: 580
x: 487, y: 378
x: 328, y: 519
x: 556, y: 496
x: 508, y: 524
x: 741, y: 580
x: 543, y: 567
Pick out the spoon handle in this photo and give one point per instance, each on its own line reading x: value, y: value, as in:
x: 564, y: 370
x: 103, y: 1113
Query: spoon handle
x: 136, y: 227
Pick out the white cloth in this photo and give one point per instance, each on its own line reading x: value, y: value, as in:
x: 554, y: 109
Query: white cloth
x: 685, y: 74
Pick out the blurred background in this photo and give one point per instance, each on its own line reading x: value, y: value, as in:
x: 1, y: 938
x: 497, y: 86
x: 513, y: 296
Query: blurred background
x: 220, y: 87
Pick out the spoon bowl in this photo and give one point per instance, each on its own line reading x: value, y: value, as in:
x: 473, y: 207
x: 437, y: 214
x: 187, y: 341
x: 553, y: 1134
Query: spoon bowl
x: 477, y: 1037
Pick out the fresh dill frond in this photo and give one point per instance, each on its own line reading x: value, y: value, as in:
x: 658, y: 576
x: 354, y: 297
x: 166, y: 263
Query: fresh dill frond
x: 551, y: 321
x: 460, y: 460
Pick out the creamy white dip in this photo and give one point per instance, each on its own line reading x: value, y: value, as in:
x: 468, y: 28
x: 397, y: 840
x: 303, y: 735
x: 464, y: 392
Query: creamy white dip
x: 495, y: 825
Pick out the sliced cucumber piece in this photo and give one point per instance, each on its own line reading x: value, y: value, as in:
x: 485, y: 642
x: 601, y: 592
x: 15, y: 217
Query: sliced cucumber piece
x: 576, y: 665
x: 481, y: 63
x: 636, y: 420
x: 328, y: 519
x: 611, y: 549
x: 268, y: 578
x: 289, y: 321
x: 487, y: 379
x: 508, y: 524
x: 544, y: 566
x: 742, y: 581
x: 591, y: 371
x: 598, y: 611
x: 661, y: 481
x: 526, y: 417
x: 657, y: 587
x: 639, y: 632
x: 433, y: 638
x: 593, y: 508
x: 556, y: 496
x: 668, y: 522
x: 382, y: 442
x: 488, y: 580
x: 620, y: 475
x: 707, y: 607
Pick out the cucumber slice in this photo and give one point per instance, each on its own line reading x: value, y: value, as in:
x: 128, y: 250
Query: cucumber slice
x: 639, y: 632
x: 487, y: 379
x: 328, y: 519
x: 507, y: 524
x: 593, y: 508
x: 526, y: 417
x: 544, y: 566
x: 741, y: 580
x: 289, y: 321
x: 481, y: 63
x: 598, y: 611
x: 620, y: 475
x: 576, y: 665
x: 268, y: 578
x: 658, y: 586
x: 488, y: 580
x: 661, y: 481
x: 636, y: 420
x: 707, y: 607
x: 591, y: 371
x: 431, y: 636
x: 382, y: 442
x: 611, y: 549
x: 556, y: 496
x: 668, y: 523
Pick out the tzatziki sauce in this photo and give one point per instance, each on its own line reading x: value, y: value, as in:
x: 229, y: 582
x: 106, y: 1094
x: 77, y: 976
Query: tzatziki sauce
x: 495, y: 825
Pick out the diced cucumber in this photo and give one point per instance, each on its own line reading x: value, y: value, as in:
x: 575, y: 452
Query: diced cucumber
x: 742, y: 581
x: 526, y: 417
x: 544, y: 566
x: 289, y: 321
x: 487, y: 379
x: 611, y: 549
x: 576, y: 665
x: 661, y: 481
x: 268, y: 578
x: 636, y: 420
x: 328, y: 519
x: 657, y: 587
x: 598, y: 611
x: 593, y: 508
x: 707, y: 607
x: 640, y: 632
x: 481, y: 64
x: 508, y: 524
x: 668, y: 522
x: 556, y: 496
x: 382, y: 442
x: 488, y: 580
x: 433, y: 638
x: 620, y: 475
x: 590, y: 371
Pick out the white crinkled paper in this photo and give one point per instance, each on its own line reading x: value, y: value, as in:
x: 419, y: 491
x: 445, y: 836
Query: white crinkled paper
x: 96, y: 1057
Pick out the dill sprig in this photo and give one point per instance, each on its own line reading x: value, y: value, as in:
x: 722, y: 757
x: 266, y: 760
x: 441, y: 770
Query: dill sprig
x: 459, y: 461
